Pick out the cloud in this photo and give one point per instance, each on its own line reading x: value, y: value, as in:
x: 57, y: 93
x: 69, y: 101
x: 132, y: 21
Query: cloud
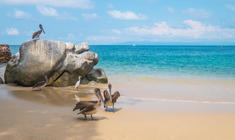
x: 191, y: 29
x: 52, y: 12
x: 47, y: 11
x: 128, y: 15
x: 170, y: 10
x: 116, y: 31
x: 90, y: 16
x: 83, y: 4
x: 18, y: 14
x: 230, y: 7
x: 12, y: 31
x: 200, y: 13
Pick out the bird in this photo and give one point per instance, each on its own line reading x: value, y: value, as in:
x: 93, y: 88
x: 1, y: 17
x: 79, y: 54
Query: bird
x: 77, y: 83
x: 41, y: 84
x: 109, y: 99
x: 38, y: 33
x: 89, y: 107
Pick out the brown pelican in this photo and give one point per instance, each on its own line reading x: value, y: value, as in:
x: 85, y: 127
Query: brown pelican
x: 77, y: 83
x: 89, y: 107
x: 37, y: 34
x: 110, y: 100
x: 41, y: 84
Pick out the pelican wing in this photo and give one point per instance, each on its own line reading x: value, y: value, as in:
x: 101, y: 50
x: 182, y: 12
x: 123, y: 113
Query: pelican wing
x: 36, y: 34
x: 115, y: 96
x: 87, y: 109
x: 106, y: 95
x: 83, y: 104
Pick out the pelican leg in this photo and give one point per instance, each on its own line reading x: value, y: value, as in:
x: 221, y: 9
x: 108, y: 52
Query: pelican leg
x: 85, y: 116
x: 113, y: 107
x: 91, y: 117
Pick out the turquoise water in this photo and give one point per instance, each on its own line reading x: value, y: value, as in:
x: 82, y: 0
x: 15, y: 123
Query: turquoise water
x: 161, y: 61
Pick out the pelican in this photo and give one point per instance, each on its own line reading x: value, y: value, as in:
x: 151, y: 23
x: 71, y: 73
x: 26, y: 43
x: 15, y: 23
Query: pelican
x: 88, y: 107
x: 77, y: 83
x: 38, y: 33
x: 41, y: 84
x: 110, y: 100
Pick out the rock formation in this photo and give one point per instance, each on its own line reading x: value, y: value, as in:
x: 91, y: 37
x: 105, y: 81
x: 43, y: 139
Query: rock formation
x: 1, y: 81
x: 5, y: 53
x: 95, y: 76
x: 61, y: 62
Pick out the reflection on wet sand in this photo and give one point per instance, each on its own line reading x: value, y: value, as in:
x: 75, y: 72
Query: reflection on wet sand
x: 54, y: 96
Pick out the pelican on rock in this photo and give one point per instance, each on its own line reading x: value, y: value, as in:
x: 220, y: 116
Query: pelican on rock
x: 38, y: 33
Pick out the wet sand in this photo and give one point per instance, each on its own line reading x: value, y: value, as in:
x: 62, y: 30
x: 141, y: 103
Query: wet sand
x: 170, y: 113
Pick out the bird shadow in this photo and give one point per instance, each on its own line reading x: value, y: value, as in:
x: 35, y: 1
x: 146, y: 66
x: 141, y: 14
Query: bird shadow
x: 89, y: 119
x: 111, y: 109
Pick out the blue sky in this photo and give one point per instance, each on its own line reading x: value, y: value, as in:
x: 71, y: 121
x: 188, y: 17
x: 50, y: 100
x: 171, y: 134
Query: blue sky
x: 120, y: 21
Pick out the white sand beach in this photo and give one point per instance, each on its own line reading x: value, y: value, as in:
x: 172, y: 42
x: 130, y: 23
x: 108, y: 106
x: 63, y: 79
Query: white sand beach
x: 149, y: 111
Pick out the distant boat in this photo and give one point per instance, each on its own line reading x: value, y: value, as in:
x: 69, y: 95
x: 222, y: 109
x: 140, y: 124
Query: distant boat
x: 133, y: 45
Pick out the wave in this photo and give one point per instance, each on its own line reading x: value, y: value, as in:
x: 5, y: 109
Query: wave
x: 178, y: 100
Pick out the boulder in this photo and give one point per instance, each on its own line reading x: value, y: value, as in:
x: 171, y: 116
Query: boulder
x: 5, y: 53
x: 61, y: 62
x: 95, y: 76
x: 1, y: 81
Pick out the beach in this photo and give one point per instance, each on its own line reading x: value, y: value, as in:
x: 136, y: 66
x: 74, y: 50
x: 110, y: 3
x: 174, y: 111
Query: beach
x: 117, y: 70
x: 203, y: 109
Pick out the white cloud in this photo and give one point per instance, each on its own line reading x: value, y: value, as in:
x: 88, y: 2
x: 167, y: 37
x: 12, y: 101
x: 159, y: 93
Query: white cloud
x: 192, y: 29
x: 90, y: 16
x: 84, y: 4
x: 12, y: 31
x: 18, y: 14
x: 116, y: 31
x: 52, y: 12
x: 200, y: 13
x: 47, y: 11
x: 230, y: 7
x: 170, y: 10
x: 128, y: 15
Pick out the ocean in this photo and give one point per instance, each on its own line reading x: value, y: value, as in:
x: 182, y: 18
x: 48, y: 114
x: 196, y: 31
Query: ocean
x: 164, y: 61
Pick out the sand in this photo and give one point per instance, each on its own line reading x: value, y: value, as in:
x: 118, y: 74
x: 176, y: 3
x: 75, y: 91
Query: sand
x: 170, y: 114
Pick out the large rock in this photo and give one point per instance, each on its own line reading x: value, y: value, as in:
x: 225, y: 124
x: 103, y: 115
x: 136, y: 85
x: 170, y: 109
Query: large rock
x: 1, y: 81
x: 5, y: 53
x: 95, y: 76
x: 61, y: 62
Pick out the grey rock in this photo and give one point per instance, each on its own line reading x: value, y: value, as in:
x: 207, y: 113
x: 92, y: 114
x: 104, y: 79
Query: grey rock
x: 1, y: 81
x: 5, y: 53
x: 81, y: 47
x: 61, y: 62
x: 95, y: 76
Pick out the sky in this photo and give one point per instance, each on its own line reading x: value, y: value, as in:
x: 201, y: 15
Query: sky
x: 120, y: 21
